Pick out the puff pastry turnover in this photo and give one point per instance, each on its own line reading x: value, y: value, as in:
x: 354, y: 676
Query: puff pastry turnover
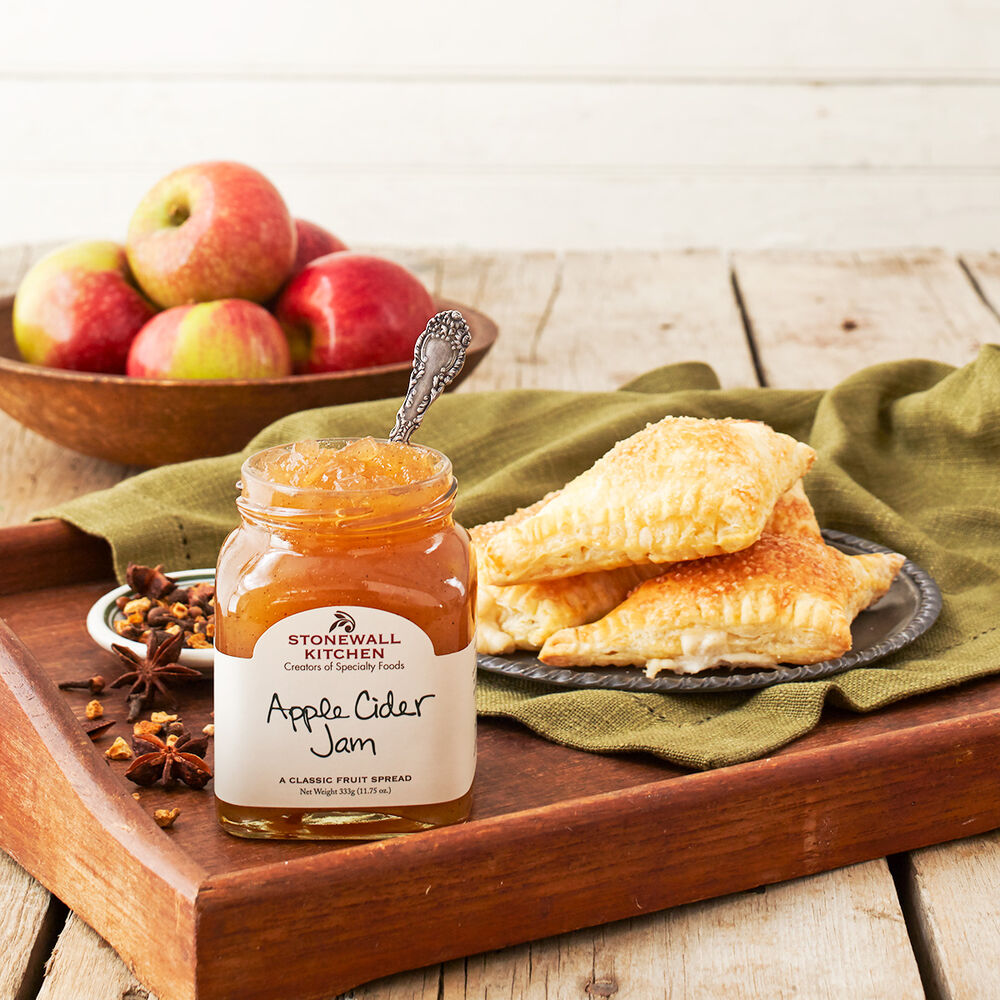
x: 679, y: 489
x: 524, y: 615
x: 793, y: 515
x: 786, y: 599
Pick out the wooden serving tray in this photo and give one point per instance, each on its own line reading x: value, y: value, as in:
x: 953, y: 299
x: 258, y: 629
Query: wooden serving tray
x: 558, y: 839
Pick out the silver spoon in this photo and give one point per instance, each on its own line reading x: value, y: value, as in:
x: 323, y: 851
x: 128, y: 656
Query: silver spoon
x: 438, y: 356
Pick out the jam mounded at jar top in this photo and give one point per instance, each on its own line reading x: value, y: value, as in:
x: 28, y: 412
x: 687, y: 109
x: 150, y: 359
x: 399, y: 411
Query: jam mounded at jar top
x: 345, y: 646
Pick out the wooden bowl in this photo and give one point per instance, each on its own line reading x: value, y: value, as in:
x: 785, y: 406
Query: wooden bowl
x: 157, y: 421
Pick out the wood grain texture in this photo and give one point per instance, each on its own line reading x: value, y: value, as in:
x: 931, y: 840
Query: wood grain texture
x: 498, y: 126
x: 833, y: 40
x: 736, y: 816
x: 819, y: 317
x: 27, y: 547
x: 854, y: 124
x: 520, y: 289
x: 984, y: 271
x: 919, y: 303
x: 616, y: 315
x: 29, y: 912
x: 84, y: 967
x: 161, y: 421
x: 38, y: 473
x: 14, y: 260
x: 636, y: 39
x: 569, y: 209
x: 747, y: 945
x: 838, y: 796
x: 80, y: 832
x: 507, y: 278
x: 951, y: 892
x: 545, y: 769
x: 29, y: 920
x: 560, y: 321
x: 421, y: 984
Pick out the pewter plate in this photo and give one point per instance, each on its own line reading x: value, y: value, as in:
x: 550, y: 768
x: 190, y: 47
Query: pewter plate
x: 909, y: 608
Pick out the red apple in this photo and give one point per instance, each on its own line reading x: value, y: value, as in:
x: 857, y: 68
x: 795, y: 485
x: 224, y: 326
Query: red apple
x: 350, y: 310
x: 211, y: 231
x: 79, y: 308
x: 232, y: 338
x: 313, y: 241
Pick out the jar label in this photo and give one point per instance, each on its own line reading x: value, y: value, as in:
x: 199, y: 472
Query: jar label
x: 344, y: 707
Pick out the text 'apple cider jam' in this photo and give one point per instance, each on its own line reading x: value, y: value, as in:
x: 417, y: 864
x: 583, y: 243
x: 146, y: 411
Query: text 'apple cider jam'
x: 345, y: 646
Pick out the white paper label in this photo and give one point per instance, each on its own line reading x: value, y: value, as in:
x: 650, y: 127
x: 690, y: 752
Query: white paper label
x: 344, y: 707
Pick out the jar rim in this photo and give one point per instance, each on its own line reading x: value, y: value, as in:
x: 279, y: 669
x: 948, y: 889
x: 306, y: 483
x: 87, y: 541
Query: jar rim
x: 442, y: 468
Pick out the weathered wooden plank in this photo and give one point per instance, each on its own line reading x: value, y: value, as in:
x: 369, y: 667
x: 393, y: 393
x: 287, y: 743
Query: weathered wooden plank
x: 529, y: 206
x: 984, y: 271
x: 818, y: 317
x: 825, y: 937
x: 13, y: 263
x: 84, y: 967
x: 840, y: 39
x: 646, y: 125
x: 815, y: 319
x: 641, y: 310
x: 515, y: 290
x: 951, y: 895
x: 38, y: 473
x: 29, y: 920
x: 557, y: 321
x: 422, y: 984
x: 616, y: 315
x: 28, y: 912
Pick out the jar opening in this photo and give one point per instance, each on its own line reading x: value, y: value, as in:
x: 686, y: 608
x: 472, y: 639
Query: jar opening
x: 347, y: 478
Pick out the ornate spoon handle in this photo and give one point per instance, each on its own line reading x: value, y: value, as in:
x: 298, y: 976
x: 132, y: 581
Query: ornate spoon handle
x: 438, y: 356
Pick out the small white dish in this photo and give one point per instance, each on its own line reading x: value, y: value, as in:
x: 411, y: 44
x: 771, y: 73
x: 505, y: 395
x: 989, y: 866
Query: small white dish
x: 102, y: 616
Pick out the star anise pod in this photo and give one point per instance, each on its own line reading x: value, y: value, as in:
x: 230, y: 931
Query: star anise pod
x: 170, y: 762
x: 151, y: 673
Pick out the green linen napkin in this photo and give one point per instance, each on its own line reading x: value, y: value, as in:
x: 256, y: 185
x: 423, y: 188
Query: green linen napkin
x: 908, y: 456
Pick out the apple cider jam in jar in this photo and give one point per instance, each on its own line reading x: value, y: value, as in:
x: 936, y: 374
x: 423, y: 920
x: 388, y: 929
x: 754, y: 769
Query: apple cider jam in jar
x: 345, y: 646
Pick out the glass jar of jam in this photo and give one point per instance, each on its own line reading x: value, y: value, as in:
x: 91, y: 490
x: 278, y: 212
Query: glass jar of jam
x: 345, y: 646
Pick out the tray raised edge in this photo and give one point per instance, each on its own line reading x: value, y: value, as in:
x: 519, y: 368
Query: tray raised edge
x: 319, y: 925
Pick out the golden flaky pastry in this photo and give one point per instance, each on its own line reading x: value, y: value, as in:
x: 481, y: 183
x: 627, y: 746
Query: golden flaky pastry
x: 679, y: 489
x: 786, y: 599
x: 793, y: 515
x: 524, y: 615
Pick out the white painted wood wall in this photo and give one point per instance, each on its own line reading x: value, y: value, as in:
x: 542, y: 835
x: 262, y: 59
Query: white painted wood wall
x: 521, y: 123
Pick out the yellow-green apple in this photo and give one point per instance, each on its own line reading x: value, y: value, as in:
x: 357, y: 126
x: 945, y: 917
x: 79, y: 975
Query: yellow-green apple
x: 209, y: 231
x: 79, y: 308
x: 231, y: 338
x: 352, y: 310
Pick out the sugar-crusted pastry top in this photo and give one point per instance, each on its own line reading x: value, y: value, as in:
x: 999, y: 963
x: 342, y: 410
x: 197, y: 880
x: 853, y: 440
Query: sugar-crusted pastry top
x: 524, y: 615
x: 679, y: 489
x: 785, y: 599
x: 793, y: 515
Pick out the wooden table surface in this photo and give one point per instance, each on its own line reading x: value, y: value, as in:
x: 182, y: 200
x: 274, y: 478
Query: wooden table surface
x: 925, y: 924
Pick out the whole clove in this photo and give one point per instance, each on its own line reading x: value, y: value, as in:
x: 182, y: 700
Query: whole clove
x: 95, y: 685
